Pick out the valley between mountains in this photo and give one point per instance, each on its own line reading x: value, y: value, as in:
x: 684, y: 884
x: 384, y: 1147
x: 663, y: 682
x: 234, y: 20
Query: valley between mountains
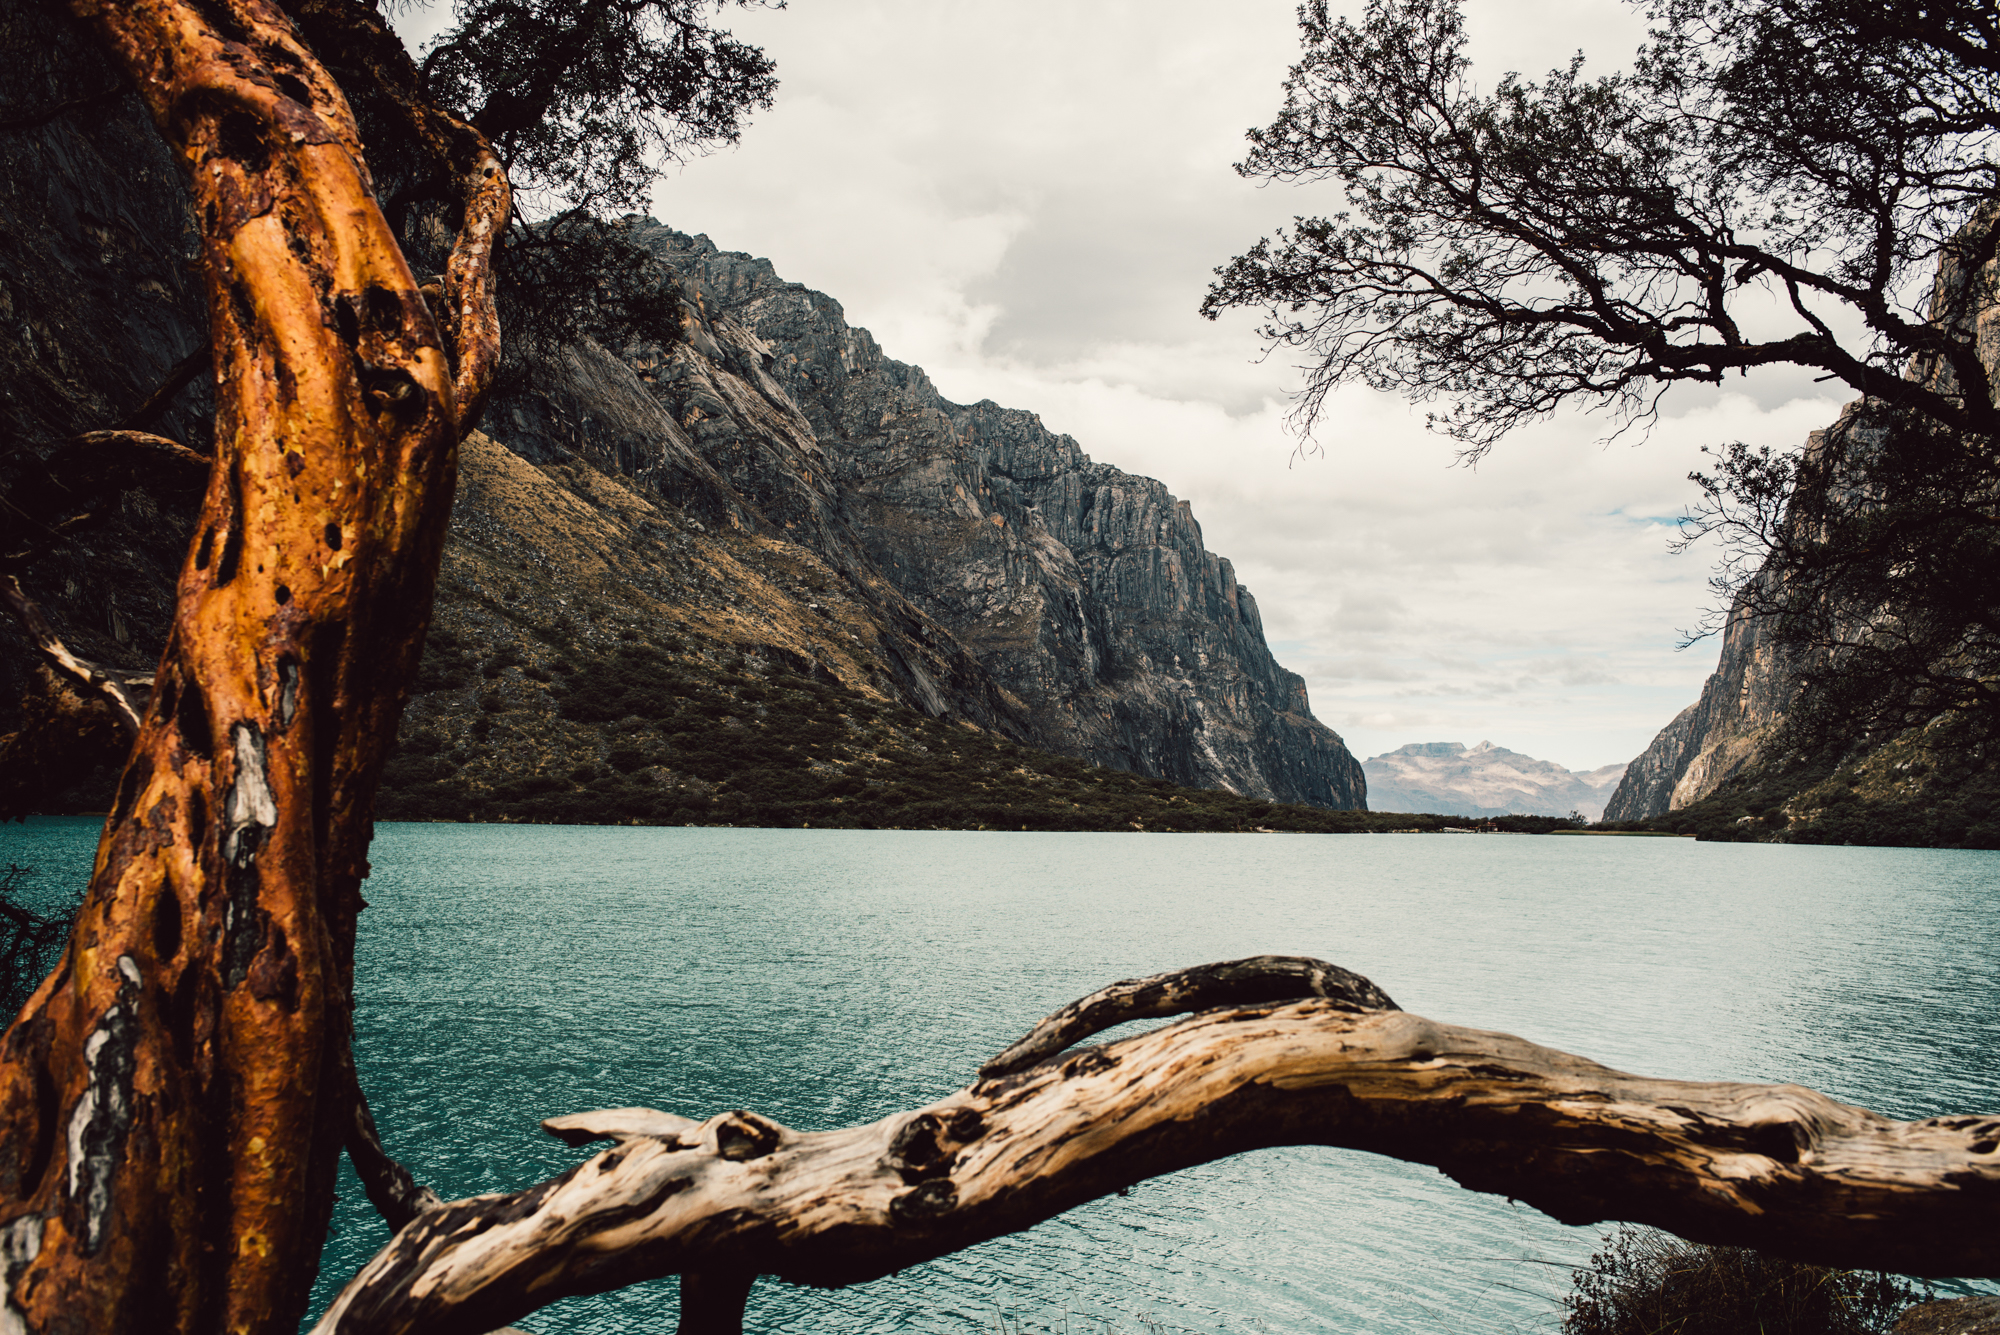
x: 760, y: 572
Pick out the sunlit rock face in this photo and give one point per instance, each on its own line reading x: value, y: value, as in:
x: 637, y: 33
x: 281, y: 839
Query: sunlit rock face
x: 1717, y: 736
x: 1083, y: 592
x: 765, y: 482
x: 1452, y: 779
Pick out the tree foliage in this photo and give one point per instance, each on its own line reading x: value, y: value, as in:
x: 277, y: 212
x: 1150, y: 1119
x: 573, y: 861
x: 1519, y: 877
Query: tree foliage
x: 585, y: 102
x: 585, y: 105
x: 1773, y: 182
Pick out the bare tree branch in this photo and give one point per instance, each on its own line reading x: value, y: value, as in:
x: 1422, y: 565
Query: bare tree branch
x: 127, y: 694
x: 392, y: 1189
x: 185, y: 370
x: 1773, y: 1166
x: 1183, y: 992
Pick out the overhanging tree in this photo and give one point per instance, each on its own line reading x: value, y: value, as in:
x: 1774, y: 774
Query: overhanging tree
x: 174, y: 1096
x: 1806, y: 183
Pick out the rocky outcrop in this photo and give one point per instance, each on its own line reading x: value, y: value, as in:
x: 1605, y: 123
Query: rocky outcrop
x: 1084, y: 592
x: 1450, y: 778
x: 1716, y: 737
x: 766, y: 481
x: 1757, y: 682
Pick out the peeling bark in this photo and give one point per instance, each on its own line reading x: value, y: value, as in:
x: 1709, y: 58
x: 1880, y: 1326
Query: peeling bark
x: 371, y: 53
x: 1771, y: 1166
x: 174, y: 1098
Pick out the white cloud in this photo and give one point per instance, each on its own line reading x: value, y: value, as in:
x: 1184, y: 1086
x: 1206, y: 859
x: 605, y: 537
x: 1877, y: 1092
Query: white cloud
x: 1027, y: 199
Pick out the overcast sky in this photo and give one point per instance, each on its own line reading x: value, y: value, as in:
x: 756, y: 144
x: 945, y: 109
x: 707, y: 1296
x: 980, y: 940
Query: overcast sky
x: 1026, y: 198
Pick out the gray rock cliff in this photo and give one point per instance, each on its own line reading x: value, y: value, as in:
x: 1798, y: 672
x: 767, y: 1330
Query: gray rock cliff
x: 1085, y: 592
x: 767, y: 480
x: 1717, y: 736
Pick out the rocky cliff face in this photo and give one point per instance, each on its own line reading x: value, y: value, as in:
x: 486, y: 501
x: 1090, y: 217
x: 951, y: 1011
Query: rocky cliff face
x: 1450, y: 778
x: 767, y: 482
x: 1083, y: 591
x: 1724, y: 736
x: 1715, y: 738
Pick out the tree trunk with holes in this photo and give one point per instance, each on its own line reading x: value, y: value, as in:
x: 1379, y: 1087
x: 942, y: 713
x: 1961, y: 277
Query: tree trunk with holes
x: 174, y: 1098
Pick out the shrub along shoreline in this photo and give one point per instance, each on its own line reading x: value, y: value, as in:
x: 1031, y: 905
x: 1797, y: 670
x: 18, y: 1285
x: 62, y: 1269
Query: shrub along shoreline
x: 759, y: 743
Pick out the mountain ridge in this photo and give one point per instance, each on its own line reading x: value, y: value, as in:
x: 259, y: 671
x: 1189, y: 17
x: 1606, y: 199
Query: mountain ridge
x: 1450, y: 778
x: 720, y: 497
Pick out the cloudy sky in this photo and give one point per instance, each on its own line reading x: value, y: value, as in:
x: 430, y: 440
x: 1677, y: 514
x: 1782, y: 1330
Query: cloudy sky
x: 1026, y: 198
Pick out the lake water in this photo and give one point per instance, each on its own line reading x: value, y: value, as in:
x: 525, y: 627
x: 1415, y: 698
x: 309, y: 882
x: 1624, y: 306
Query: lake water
x: 826, y: 978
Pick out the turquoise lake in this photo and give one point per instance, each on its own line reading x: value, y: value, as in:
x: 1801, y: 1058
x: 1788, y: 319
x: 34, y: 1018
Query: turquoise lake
x: 825, y: 978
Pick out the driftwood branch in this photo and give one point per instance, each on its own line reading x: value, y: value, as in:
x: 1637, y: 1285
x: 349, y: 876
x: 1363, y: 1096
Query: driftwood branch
x: 1771, y: 1166
x: 1184, y: 992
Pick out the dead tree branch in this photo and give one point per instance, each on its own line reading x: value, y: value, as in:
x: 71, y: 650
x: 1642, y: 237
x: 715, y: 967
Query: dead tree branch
x: 1773, y: 1166
x: 127, y: 694
x: 78, y: 478
x: 185, y: 370
x: 392, y: 1189
x: 1184, y: 992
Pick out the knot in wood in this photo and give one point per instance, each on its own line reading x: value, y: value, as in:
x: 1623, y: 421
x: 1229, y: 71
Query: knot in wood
x: 393, y: 390
x: 741, y: 1136
x: 923, y: 1204
x: 1088, y: 1062
x: 923, y: 1147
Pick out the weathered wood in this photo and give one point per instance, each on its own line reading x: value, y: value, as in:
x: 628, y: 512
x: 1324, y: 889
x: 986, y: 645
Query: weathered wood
x: 173, y: 1099
x: 1772, y: 1166
x: 1183, y: 992
x: 391, y: 1188
x: 712, y: 1301
x: 126, y: 693
x: 619, y: 1124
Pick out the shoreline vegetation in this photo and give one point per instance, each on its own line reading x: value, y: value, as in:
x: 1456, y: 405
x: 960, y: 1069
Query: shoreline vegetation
x: 767, y: 742
x: 547, y: 727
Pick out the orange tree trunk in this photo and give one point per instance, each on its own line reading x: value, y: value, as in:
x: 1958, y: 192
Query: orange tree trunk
x: 171, y: 1099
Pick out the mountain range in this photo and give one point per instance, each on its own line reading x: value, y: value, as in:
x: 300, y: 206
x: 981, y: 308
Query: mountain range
x: 1450, y: 778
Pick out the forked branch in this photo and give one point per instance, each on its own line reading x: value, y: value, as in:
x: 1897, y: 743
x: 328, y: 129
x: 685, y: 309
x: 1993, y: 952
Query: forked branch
x: 1772, y: 1166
